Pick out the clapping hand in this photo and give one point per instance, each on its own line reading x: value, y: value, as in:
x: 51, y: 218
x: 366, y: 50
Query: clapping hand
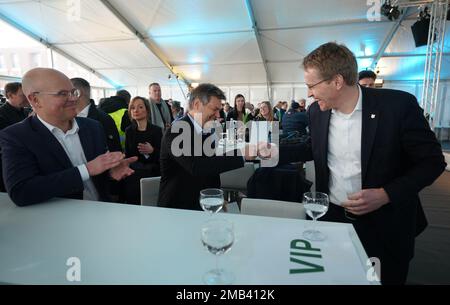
x: 122, y: 170
x: 145, y: 148
x: 104, y: 162
x: 267, y: 150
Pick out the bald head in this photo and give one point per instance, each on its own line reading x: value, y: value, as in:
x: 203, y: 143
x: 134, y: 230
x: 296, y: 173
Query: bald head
x: 48, y: 91
x: 41, y: 79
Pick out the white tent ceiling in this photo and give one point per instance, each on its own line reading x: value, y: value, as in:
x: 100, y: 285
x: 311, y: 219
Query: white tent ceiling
x: 136, y: 42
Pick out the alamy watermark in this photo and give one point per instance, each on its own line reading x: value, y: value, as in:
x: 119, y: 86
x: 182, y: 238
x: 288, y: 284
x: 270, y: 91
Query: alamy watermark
x: 228, y: 140
x: 374, y: 11
x: 73, y: 274
x: 73, y: 10
x: 374, y: 272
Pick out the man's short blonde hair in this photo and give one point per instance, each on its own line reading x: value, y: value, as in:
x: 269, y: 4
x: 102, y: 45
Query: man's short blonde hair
x: 331, y: 59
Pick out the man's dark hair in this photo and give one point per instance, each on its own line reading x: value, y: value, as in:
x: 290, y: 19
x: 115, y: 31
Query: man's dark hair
x: 82, y: 84
x: 204, y: 92
x: 12, y: 88
x: 125, y: 94
x: 367, y: 74
x: 176, y: 105
x: 153, y: 84
x: 332, y: 59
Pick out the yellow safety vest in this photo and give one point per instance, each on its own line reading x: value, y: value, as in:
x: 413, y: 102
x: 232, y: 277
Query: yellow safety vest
x: 117, y: 117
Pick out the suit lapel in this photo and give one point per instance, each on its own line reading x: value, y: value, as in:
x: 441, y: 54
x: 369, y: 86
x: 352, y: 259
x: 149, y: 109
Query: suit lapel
x: 52, y: 143
x: 92, y: 113
x: 370, y: 116
x: 324, y: 124
x: 83, y: 134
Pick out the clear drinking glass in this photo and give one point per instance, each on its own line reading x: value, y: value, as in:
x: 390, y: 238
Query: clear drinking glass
x: 316, y: 205
x: 223, y: 139
x: 218, y: 236
x: 211, y: 200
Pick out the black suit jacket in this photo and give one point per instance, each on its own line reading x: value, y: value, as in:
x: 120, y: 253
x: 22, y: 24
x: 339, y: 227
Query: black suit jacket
x: 399, y: 153
x: 9, y: 115
x: 152, y: 135
x: 36, y: 168
x: 183, y: 177
x: 109, y: 127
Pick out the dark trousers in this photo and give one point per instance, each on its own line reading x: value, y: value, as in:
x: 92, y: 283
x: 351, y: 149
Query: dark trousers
x: 393, y: 270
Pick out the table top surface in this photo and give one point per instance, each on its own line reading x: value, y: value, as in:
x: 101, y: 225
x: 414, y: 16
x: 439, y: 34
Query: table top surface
x: 125, y: 244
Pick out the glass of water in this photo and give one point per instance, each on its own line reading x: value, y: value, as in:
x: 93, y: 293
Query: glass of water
x: 217, y: 237
x: 211, y: 200
x: 316, y: 205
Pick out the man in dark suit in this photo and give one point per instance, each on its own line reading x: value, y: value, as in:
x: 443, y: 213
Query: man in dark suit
x: 295, y: 120
x: 52, y: 154
x: 86, y: 109
x: 373, y: 152
x: 188, y: 161
x: 12, y: 112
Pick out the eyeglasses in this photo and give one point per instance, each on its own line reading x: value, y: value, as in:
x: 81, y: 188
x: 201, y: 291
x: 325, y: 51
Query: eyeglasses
x: 312, y: 86
x: 74, y: 93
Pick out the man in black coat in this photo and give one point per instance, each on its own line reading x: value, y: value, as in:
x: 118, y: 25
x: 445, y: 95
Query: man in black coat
x: 188, y: 161
x: 86, y: 108
x: 373, y: 152
x: 12, y: 112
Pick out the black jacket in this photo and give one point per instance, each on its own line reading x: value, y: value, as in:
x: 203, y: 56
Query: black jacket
x: 153, y: 135
x: 9, y: 115
x: 399, y: 153
x: 183, y: 177
x: 109, y: 127
x: 294, y: 121
x: 114, y: 103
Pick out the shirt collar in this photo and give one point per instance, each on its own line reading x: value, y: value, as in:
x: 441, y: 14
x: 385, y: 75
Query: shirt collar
x: 197, y: 127
x: 358, y: 106
x: 54, y: 129
x: 84, y: 113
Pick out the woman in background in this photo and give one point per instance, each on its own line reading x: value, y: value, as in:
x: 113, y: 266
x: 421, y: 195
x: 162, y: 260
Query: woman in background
x: 265, y: 113
x: 142, y: 139
x: 238, y: 113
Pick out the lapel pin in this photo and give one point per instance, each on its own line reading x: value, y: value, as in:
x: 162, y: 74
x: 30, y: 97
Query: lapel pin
x: 373, y: 116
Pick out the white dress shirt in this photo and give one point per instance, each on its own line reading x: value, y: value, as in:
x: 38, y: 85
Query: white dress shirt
x: 197, y: 127
x: 70, y: 141
x: 84, y: 113
x: 344, y: 153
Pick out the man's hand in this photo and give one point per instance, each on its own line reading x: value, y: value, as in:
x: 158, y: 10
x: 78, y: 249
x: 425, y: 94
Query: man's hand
x: 104, y: 162
x: 250, y: 152
x: 122, y: 170
x: 366, y: 201
x: 263, y: 150
x: 145, y: 148
x: 267, y: 150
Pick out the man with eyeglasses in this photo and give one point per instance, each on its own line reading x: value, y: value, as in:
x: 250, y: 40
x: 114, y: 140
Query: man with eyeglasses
x: 55, y: 154
x: 373, y: 152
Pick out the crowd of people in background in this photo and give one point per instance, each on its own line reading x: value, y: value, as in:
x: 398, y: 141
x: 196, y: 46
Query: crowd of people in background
x: 64, y: 145
x: 135, y: 125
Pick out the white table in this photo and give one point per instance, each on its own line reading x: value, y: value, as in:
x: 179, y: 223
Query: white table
x: 124, y: 244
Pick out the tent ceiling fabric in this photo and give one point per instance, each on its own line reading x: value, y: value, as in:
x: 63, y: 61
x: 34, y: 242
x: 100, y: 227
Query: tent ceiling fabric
x: 213, y: 40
